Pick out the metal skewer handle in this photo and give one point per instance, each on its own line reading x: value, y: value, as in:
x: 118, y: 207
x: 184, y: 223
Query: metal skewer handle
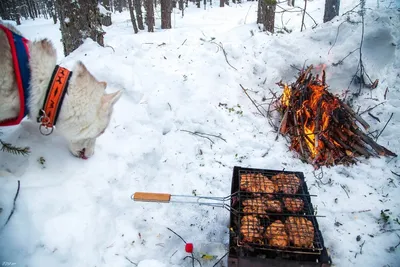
x: 167, y: 198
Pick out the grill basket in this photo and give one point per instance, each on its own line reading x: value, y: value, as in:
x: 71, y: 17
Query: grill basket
x: 276, y: 228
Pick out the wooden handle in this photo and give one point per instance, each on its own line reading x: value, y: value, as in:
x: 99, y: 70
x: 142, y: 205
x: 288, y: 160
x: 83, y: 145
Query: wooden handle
x: 151, y: 197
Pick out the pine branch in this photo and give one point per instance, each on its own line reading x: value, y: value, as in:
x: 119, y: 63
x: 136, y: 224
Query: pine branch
x: 9, y: 148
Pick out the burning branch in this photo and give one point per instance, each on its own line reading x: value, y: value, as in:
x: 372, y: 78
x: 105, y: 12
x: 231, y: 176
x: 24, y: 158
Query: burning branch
x: 324, y: 131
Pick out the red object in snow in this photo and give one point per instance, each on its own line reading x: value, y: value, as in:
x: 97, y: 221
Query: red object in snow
x: 189, y: 247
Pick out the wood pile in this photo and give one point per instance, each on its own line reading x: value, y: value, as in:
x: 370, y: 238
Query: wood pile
x: 323, y: 130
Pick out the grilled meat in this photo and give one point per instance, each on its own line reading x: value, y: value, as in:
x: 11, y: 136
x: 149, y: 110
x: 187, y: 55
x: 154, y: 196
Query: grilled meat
x: 273, y: 205
x: 259, y: 201
x: 293, y: 204
x: 251, y: 229
x: 256, y: 183
x: 301, y: 231
x: 276, y: 235
x: 286, y: 183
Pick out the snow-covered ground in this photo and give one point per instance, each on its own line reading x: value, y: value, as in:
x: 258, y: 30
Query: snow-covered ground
x: 72, y: 212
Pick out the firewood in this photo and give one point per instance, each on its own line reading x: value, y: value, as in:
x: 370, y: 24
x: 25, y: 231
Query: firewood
x: 323, y: 129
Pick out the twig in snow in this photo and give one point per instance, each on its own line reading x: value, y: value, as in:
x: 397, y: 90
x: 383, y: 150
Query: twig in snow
x: 213, y: 135
x: 193, y: 259
x: 110, y: 47
x: 196, y: 133
x: 130, y: 261
x: 184, y: 42
x: 177, y: 234
x: 340, y: 62
x: 224, y: 257
x: 295, y: 11
x: 359, y: 211
x: 398, y: 175
x: 205, y: 135
x: 342, y: 186
x: 374, y: 117
x: 302, y: 19
x: 223, y: 50
x: 13, y: 209
x: 351, y: 10
x: 361, y: 247
x: 386, y: 91
x: 252, y: 101
x: 384, y: 127
x: 369, y: 109
x: 337, y: 34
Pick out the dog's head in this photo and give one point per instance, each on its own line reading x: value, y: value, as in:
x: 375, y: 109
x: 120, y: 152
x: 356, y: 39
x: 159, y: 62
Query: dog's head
x: 86, y: 111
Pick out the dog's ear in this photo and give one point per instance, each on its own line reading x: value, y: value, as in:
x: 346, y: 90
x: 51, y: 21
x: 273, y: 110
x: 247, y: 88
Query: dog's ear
x: 104, y: 85
x: 108, y: 100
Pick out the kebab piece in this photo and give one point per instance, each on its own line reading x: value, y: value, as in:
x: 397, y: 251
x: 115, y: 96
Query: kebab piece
x: 276, y: 235
x: 293, y: 204
x: 273, y: 205
x: 286, y: 183
x: 255, y: 205
x: 251, y: 229
x: 301, y: 231
x: 256, y: 183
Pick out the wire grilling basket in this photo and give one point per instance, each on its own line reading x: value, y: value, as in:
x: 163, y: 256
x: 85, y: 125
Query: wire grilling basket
x: 271, y: 217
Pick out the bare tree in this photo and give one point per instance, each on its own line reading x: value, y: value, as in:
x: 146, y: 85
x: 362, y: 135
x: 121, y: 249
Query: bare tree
x: 149, y: 7
x: 165, y: 14
x: 106, y: 18
x: 221, y: 3
x: 133, y: 19
x: 79, y: 19
x: 331, y: 9
x: 139, y: 15
x: 266, y: 14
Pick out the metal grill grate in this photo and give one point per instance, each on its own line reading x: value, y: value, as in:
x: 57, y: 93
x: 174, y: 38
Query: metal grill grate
x: 274, y: 212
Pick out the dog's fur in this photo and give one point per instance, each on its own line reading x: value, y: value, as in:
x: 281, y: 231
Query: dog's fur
x: 86, y: 109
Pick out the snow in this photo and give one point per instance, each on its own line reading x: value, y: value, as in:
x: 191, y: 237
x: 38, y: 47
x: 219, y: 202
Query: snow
x: 71, y: 212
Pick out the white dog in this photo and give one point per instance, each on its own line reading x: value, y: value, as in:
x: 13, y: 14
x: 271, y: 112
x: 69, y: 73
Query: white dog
x: 85, y: 110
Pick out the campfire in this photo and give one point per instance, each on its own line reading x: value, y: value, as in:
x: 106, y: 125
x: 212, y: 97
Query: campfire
x: 323, y: 130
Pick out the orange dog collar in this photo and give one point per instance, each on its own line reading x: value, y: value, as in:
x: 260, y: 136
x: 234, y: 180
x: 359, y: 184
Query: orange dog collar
x: 54, y: 97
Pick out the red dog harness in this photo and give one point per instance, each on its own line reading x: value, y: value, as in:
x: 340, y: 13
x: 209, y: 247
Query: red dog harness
x: 20, y: 57
x: 55, y: 92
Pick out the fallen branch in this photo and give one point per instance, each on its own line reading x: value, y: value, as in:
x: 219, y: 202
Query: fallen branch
x: 344, y: 189
x: 199, y: 134
x: 360, y: 211
x: 252, y: 101
x: 398, y: 175
x: 13, y: 208
x: 304, y: 12
x: 225, y: 54
x: 340, y: 62
x: 370, y: 109
x: 130, y: 261
x: 384, y: 126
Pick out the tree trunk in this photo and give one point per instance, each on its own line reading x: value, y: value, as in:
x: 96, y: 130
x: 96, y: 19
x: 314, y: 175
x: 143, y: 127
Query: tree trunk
x: 331, y: 9
x: 165, y: 14
x: 205, y: 4
x: 133, y: 20
x: 139, y: 15
x: 79, y: 19
x: 106, y: 18
x: 148, y: 6
x: 221, y: 3
x: 266, y: 14
x: 29, y: 6
x: 118, y: 5
x: 50, y: 6
x: 290, y: 2
x: 198, y: 3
